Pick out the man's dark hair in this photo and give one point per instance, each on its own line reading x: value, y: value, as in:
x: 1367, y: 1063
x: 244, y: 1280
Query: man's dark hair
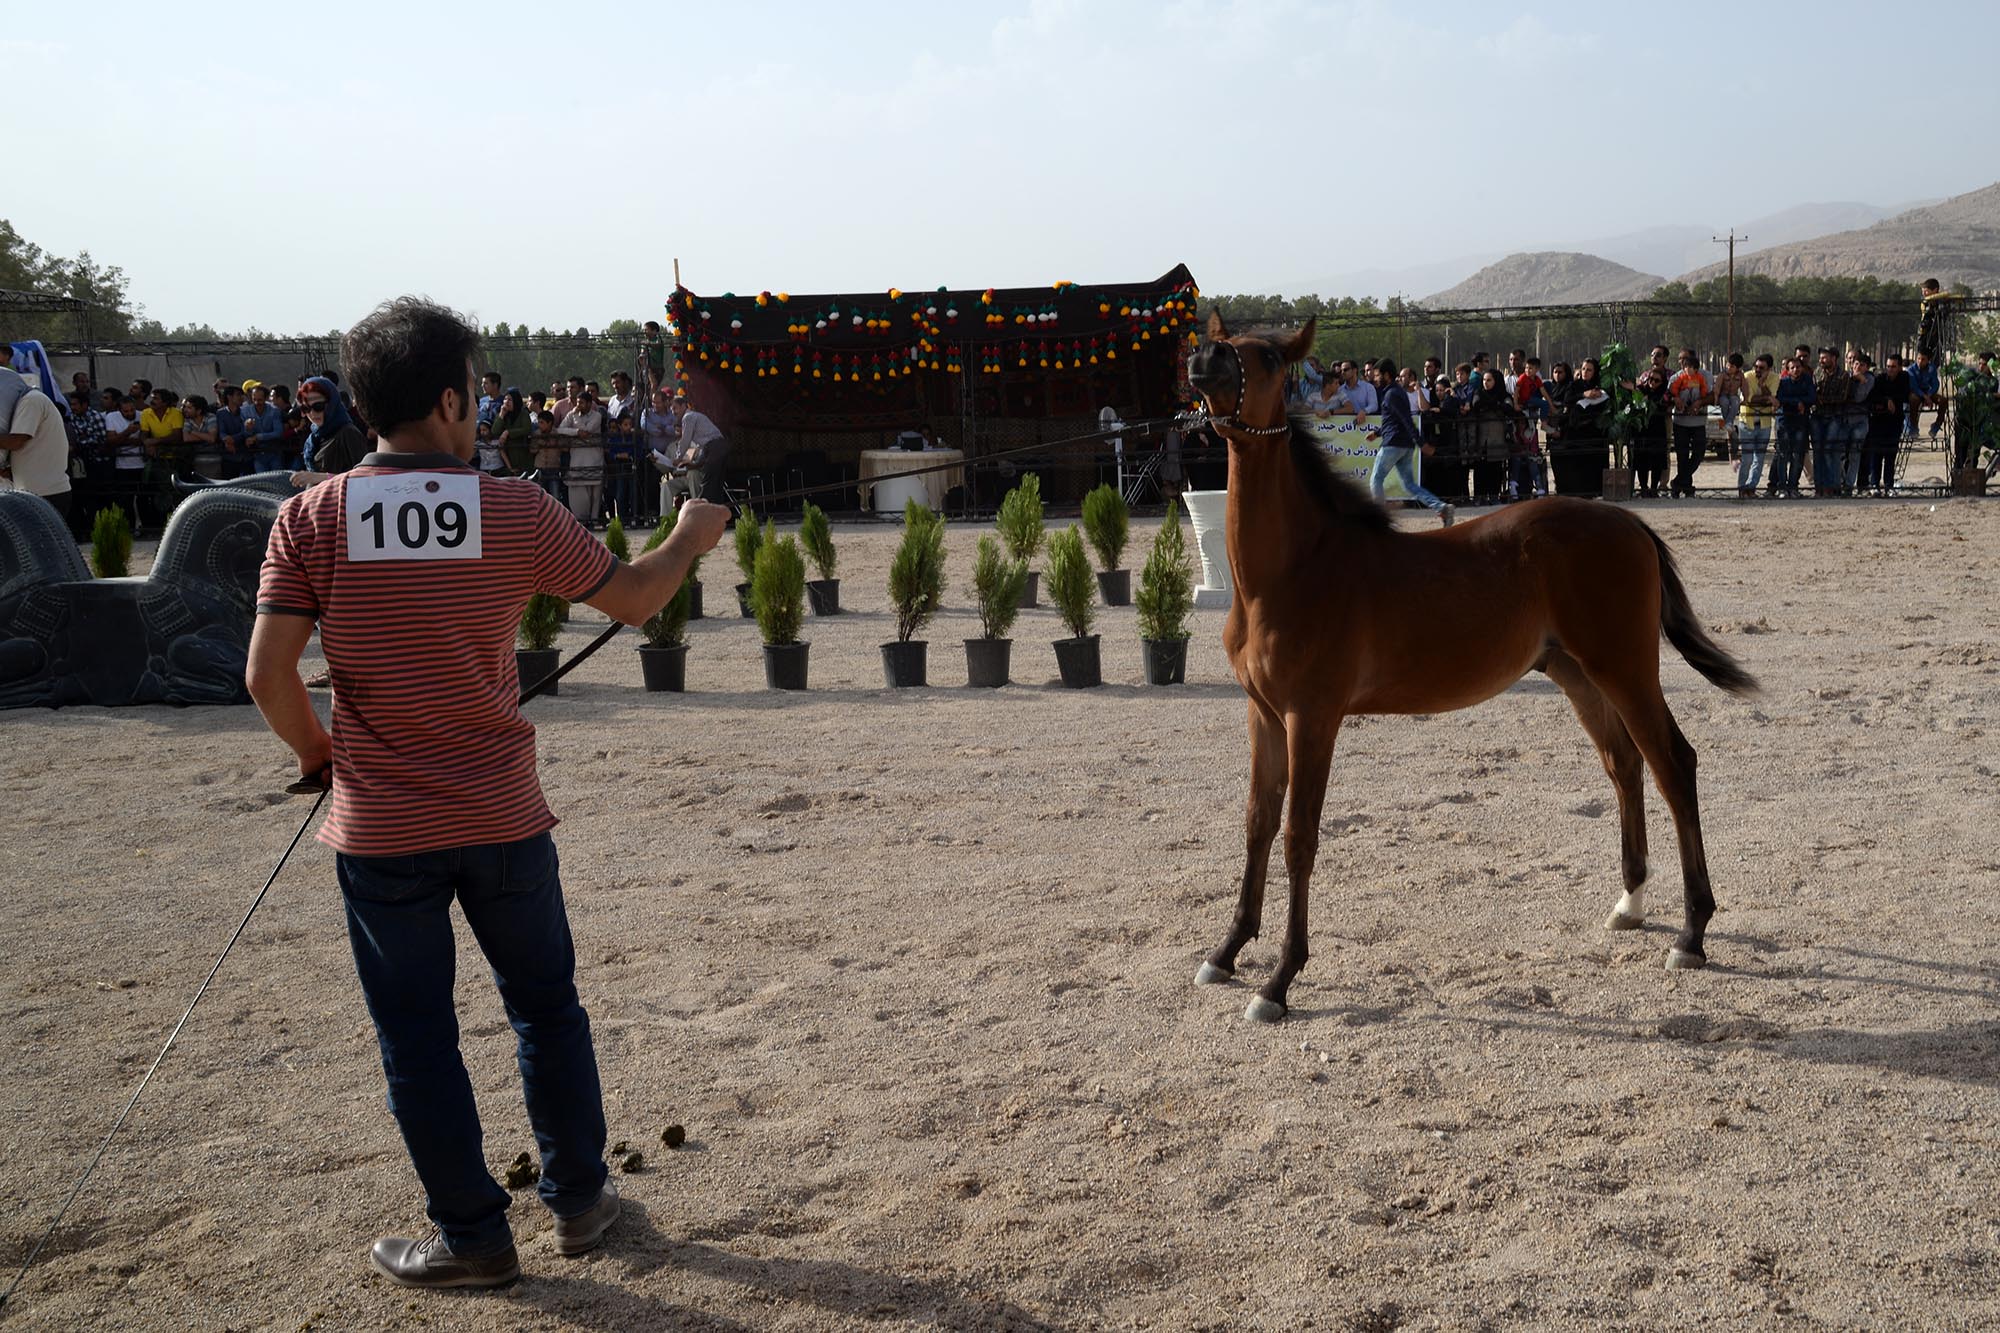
x: 493, y: 375
x: 1733, y: 359
x: 197, y: 402
x: 231, y: 392
x: 1828, y: 351
x: 403, y: 356
x: 1477, y: 357
x: 1930, y: 284
x: 1659, y: 349
x: 1519, y: 351
x: 652, y: 323
x: 1764, y: 359
x: 147, y: 385
x: 1386, y: 368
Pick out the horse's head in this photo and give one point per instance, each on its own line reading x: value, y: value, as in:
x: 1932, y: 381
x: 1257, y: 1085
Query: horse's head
x: 1242, y: 378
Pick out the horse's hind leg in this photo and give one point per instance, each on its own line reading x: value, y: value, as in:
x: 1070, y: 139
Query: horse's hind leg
x: 1310, y: 755
x: 1668, y: 754
x: 1267, y: 804
x: 1627, y: 769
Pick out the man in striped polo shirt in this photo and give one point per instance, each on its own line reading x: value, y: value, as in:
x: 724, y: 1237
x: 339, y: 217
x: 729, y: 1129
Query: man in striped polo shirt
x: 415, y: 567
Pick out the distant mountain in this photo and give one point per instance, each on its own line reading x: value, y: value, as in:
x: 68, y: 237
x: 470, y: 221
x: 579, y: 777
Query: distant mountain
x: 1547, y: 277
x: 1677, y: 249
x: 1955, y: 240
x: 1383, y: 283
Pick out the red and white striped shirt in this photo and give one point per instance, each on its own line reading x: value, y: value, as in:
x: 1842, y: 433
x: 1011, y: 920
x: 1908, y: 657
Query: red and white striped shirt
x: 417, y: 610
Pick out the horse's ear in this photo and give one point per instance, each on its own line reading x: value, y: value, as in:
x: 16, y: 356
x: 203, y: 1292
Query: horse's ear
x: 1302, y: 341
x: 1217, y: 330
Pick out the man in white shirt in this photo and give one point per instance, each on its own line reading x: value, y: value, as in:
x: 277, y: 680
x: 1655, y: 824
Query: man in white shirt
x: 705, y: 449
x: 34, y: 451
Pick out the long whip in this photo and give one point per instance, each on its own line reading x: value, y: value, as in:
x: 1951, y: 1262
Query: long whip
x: 320, y: 785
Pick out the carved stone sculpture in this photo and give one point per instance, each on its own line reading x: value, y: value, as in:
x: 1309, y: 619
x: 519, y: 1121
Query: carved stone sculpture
x: 180, y: 635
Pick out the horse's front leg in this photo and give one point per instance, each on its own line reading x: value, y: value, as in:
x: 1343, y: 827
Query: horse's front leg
x: 1309, y: 752
x: 1267, y: 805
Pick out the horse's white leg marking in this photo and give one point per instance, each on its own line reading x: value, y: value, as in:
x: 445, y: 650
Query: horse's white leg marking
x: 1630, y: 913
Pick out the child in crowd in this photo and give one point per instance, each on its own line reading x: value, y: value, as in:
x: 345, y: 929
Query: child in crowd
x: 548, y: 453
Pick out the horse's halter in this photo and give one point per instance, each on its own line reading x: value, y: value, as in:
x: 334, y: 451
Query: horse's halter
x: 1234, y: 421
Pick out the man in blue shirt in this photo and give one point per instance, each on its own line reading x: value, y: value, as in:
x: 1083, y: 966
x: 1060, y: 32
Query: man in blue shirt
x: 490, y: 397
x: 1924, y: 393
x: 1359, y: 392
x: 231, y: 435
x: 263, y: 428
x: 1399, y: 440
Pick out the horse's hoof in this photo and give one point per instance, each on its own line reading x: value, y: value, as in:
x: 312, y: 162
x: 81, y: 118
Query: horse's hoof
x: 1624, y: 921
x: 1680, y: 960
x: 1208, y: 974
x: 1261, y: 1010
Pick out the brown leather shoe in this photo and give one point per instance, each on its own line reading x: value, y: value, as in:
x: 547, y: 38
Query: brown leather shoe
x: 584, y: 1232
x: 427, y: 1263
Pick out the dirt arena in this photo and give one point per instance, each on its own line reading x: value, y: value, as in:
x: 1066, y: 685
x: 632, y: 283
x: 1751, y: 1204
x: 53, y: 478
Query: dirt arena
x: 914, y: 970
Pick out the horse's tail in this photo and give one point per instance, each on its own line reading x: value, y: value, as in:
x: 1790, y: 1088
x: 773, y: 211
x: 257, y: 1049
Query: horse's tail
x: 1687, y: 636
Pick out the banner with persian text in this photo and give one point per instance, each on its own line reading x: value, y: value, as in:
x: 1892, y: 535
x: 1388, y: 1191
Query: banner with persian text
x: 1344, y: 440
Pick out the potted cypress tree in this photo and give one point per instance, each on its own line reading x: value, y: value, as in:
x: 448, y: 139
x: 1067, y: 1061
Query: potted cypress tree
x: 541, y: 625
x: 778, y: 596
x: 663, y: 655
x: 816, y: 535
x: 615, y: 540
x: 1070, y: 588
x: 748, y: 538
x: 111, y: 543
x: 1166, y: 596
x: 1020, y: 524
x: 916, y: 586
x: 1107, y: 524
x: 996, y: 582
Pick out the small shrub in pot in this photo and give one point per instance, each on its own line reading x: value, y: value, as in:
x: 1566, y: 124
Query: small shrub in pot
x: 778, y: 597
x: 916, y: 586
x: 1166, y: 598
x: 816, y: 536
x: 1020, y: 524
x: 1107, y: 524
x: 1071, y: 588
x: 997, y: 582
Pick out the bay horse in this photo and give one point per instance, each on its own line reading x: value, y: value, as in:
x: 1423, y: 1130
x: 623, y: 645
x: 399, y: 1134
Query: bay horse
x: 1338, y: 613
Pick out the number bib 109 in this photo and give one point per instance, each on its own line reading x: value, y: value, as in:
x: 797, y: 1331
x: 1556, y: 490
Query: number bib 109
x: 413, y: 516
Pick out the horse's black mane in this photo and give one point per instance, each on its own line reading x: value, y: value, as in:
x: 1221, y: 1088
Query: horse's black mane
x: 1343, y: 498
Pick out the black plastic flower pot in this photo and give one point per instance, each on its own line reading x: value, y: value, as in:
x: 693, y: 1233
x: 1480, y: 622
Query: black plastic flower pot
x: 664, y: 669
x: 824, y: 594
x: 1115, y: 587
x: 1079, y: 662
x: 531, y: 664
x: 1166, y: 661
x: 1031, y: 589
x: 785, y: 665
x: 905, y: 664
x: 694, y: 599
x: 986, y: 662
x: 743, y: 601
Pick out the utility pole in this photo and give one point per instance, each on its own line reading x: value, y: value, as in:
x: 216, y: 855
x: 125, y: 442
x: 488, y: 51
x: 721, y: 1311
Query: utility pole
x: 1730, y: 240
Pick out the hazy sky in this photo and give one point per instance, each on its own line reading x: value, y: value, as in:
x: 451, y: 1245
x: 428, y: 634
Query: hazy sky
x: 546, y: 162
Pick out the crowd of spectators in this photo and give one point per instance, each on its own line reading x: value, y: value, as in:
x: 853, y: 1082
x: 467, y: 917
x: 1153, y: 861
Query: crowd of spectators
x: 1508, y: 432
x: 601, y: 454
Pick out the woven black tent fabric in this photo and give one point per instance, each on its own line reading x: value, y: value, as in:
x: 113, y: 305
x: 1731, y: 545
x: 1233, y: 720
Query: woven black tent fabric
x: 938, y: 329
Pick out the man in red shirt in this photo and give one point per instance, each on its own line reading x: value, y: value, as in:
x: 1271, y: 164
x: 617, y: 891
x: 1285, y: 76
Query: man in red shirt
x: 415, y: 567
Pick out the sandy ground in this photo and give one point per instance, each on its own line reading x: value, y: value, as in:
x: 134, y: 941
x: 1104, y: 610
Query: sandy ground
x: 914, y: 971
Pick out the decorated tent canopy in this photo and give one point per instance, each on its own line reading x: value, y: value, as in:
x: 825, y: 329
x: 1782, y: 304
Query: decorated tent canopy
x: 980, y: 369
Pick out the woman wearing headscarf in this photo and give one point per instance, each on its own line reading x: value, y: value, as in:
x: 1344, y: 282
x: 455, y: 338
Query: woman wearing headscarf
x: 513, y: 427
x: 1578, y: 460
x: 335, y: 443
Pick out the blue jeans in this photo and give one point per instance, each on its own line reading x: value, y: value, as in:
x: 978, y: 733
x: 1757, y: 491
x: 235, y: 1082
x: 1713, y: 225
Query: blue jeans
x: 269, y: 462
x: 399, y: 922
x: 1829, y: 453
x: 1850, y: 457
x: 1750, y: 468
x: 1390, y: 459
x: 1793, y: 436
x: 621, y: 484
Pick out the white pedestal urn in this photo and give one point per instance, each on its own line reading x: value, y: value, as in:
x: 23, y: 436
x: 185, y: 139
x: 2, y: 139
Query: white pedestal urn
x: 1208, y: 512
